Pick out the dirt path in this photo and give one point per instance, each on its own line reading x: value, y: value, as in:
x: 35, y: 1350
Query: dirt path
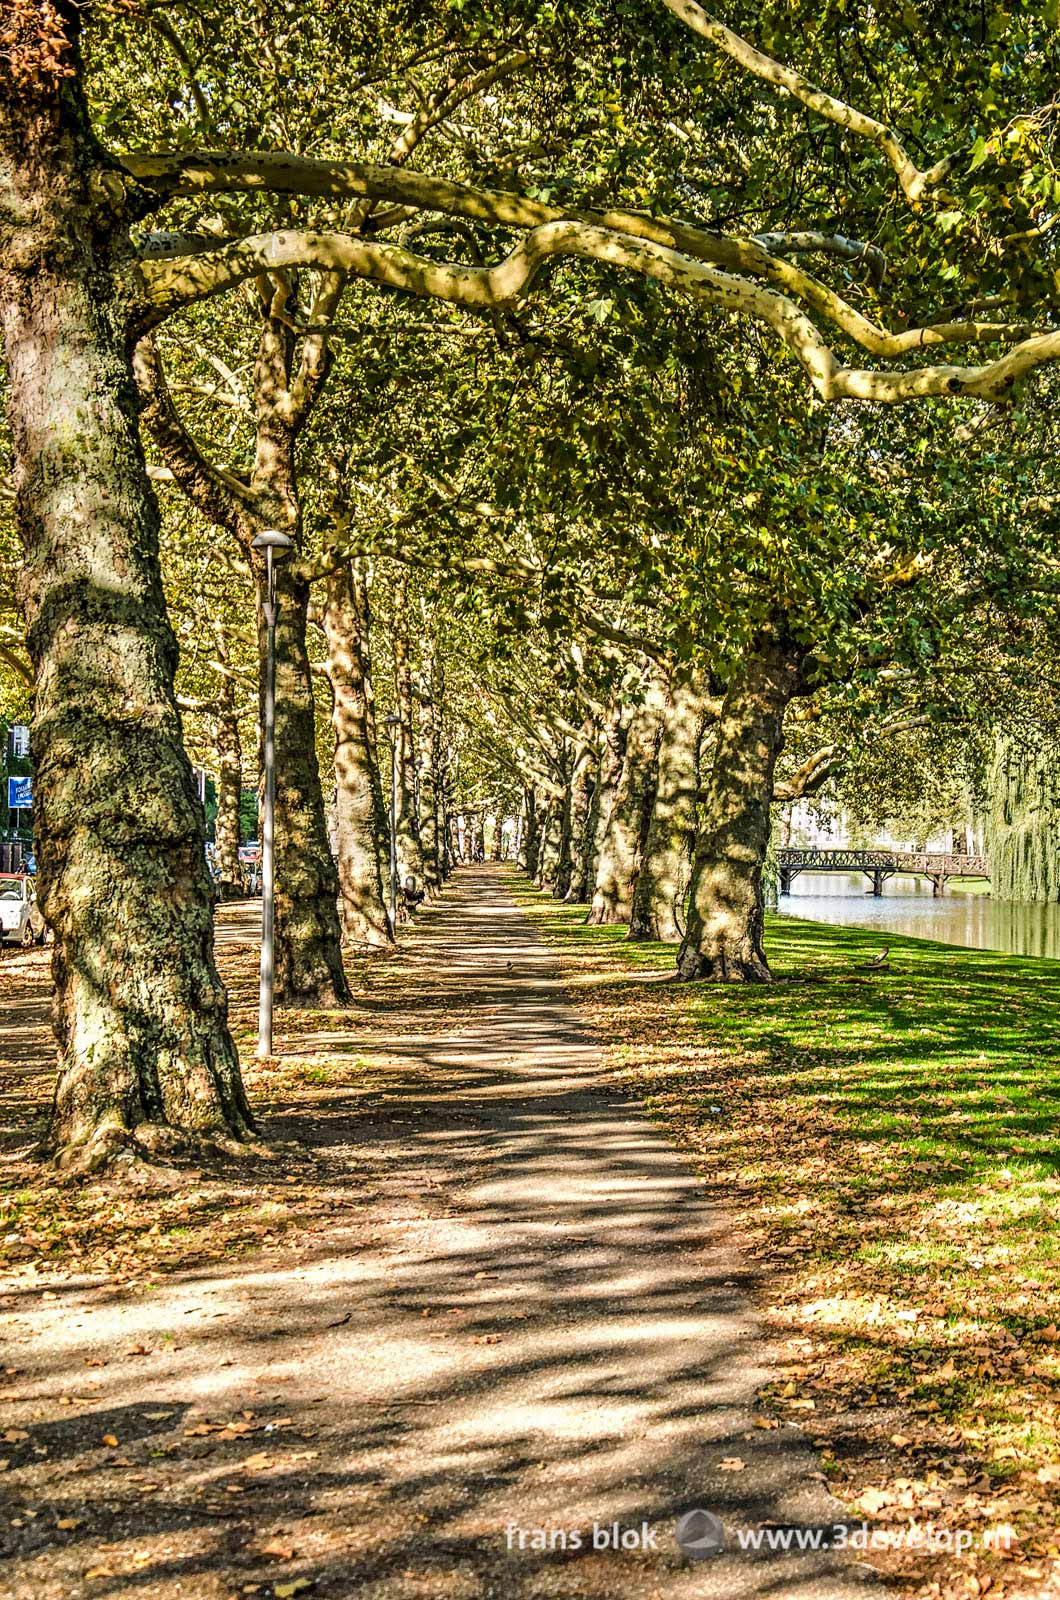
x: 537, y: 1324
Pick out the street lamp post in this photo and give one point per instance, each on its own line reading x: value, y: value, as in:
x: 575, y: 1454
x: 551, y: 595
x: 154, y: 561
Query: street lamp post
x: 275, y: 545
x: 393, y: 723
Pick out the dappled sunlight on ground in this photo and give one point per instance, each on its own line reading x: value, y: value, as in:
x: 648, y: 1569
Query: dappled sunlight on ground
x: 468, y: 1288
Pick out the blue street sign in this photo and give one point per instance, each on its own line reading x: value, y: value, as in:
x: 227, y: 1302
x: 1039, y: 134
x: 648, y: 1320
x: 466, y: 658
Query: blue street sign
x: 19, y: 794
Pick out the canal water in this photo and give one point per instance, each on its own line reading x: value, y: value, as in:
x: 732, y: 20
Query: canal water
x: 908, y: 906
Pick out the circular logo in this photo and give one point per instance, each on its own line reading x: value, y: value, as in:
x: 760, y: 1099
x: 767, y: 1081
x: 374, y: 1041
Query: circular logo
x: 700, y: 1534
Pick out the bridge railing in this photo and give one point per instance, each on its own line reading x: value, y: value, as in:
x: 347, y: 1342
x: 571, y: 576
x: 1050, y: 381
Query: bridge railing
x: 930, y: 862
x: 934, y: 861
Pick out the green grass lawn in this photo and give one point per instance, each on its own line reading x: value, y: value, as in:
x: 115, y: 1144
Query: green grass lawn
x: 889, y: 1142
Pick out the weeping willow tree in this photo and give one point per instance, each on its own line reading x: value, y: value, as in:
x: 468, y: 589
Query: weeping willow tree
x: 1023, y: 820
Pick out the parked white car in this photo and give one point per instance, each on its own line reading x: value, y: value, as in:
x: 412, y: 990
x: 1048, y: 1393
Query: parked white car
x: 21, y: 922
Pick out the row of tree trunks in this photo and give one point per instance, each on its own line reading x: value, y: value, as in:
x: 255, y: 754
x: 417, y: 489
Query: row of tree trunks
x: 649, y: 786
x: 140, y: 1013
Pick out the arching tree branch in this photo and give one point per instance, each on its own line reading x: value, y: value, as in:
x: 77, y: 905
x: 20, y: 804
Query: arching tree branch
x: 172, y: 284
x: 914, y: 181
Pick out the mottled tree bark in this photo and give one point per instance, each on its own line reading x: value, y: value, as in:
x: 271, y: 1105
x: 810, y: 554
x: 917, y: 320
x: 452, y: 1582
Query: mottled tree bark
x: 430, y: 746
x: 609, y: 771
x: 723, y: 939
x: 532, y: 832
x: 140, y: 1014
x: 626, y: 828
x: 579, y: 880
x: 309, y: 970
x: 664, y: 873
x: 358, y: 792
x: 409, y: 848
x: 229, y: 781
x: 550, y: 864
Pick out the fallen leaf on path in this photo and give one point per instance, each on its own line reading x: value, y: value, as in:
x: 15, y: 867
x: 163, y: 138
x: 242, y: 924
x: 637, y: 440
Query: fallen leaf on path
x: 110, y: 1440
x: 67, y: 1522
x: 732, y: 1464
x: 278, y: 1548
x: 284, y: 1591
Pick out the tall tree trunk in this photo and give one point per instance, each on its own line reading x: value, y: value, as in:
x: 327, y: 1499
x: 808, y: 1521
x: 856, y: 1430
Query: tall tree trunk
x: 616, y: 730
x: 622, y: 842
x: 445, y: 816
x: 723, y: 939
x: 358, y: 792
x: 579, y: 884
x: 550, y: 863
x: 409, y: 849
x: 532, y: 833
x: 664, y: 873
x: 309, y: 970
x: 561, y: 878
x: 230, y: 781
x: 140, y: 1014
x: 430, y: 776
x: 441, y: 773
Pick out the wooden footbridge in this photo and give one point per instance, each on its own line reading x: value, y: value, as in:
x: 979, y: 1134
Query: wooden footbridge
x: 879, y: 865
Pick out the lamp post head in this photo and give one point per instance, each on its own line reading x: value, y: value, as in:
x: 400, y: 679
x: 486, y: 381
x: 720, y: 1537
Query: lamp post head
x: 272, y: 539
